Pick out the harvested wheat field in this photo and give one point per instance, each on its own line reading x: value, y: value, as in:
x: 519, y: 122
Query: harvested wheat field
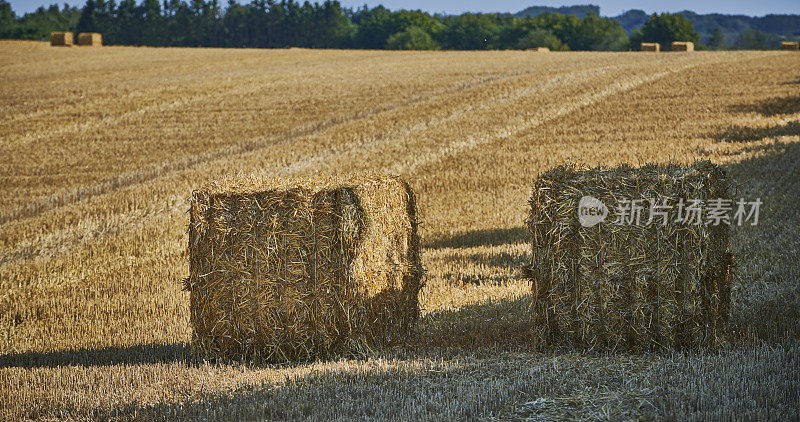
x: 102, y: 148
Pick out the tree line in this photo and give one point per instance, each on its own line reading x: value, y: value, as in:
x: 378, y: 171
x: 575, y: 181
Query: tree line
x: 288, y: 23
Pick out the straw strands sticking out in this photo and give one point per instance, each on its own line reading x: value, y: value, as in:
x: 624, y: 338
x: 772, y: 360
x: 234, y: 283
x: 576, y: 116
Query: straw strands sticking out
x: 634, y: 287
x: 287, y: 270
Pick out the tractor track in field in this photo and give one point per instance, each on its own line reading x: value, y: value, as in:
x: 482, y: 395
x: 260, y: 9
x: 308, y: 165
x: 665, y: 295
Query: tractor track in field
x: 40, y: 205
x: 454, y: 148
x: 438, y: 154
x: 62, y: 240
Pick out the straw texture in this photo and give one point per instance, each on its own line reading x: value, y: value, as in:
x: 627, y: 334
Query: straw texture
x: 288, y: 270
x: 92, y: 39
x: 682, y: 46
x: 789, y: 45
x: 62, y: 39
x: 632, y: 287
x: 650, y: 46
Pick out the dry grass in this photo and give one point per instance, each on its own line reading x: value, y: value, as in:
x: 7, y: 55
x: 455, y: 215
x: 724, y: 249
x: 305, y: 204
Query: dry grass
x: 101, y: 149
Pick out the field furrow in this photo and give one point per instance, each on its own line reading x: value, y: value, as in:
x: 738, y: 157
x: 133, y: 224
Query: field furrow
x: 104, y: 149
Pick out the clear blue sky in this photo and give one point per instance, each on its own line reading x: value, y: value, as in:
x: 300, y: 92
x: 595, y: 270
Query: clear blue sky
x: 607, y: 7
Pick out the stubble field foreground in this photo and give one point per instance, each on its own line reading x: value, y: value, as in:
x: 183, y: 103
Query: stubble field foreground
x: 102, y: 147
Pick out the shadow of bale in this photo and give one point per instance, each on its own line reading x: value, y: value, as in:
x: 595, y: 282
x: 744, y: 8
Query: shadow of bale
x: 498, y: 325
x: 503, y: 267
x: 766, y: 297
x: 773, y: 319
x: 771, y: 107
x: 106, y: 356
x: 749, y: 134
x: 499, y: 259
x: 483, y: 237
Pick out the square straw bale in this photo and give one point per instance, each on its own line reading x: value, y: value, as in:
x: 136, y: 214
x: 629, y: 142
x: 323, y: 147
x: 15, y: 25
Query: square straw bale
x: 62, y: 39
x: 294, y: 270
x: 90, y: 39
x: 789, y: 45
x: 650, y: 46
x: 682, y: 46
x: 632, y: 287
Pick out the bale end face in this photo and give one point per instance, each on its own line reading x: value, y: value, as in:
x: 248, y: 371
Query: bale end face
x: 302, y: 269
x: 632, y: 287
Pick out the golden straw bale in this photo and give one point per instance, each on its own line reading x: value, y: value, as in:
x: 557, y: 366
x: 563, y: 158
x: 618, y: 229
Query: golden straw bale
x: 63, y: 39
x: 650, y: 46
x: 288, y: 270
x: 789, y: 45
x: 682, y: 46
x: 635, y: 286
x: 92, y: 39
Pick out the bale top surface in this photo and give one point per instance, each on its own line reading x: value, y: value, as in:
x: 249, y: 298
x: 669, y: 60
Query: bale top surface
x: 253, y: 184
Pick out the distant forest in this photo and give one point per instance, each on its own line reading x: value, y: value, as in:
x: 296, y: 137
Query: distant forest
x: 736, y: 29
x: 271, y: 24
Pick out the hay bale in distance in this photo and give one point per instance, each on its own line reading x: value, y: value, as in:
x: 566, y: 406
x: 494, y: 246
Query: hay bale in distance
x: 62, y: 39
x: 540, y: 49
x: 92, y: 39
x: 650, y: 46
x: 631, y: 287
x: 789, y: 45
x: 682, y: 46
x: 292, y: 270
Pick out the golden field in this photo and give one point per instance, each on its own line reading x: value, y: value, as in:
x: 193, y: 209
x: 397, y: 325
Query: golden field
x: 101, y: 149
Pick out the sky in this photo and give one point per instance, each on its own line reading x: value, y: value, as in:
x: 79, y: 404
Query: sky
x: 607, y: 7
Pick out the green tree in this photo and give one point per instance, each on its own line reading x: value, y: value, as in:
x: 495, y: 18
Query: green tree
x: 40, y: 23
x: 333, y: 27
x: 375, y: 26
x: 412, y: 38
x: 420, y: 19
x: 600, y: 34
x: 717, y: 40
x: 97, y: 16
x: 150, y: 23
x: 590, y: 33
x: 127, y: 24
x: 664, y: 29
x: 541, y: 38
x: 7, y: 19
x: 471, y: 31
x: 757, y: 40
x: 566, y: 27
x: 238, y: 30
